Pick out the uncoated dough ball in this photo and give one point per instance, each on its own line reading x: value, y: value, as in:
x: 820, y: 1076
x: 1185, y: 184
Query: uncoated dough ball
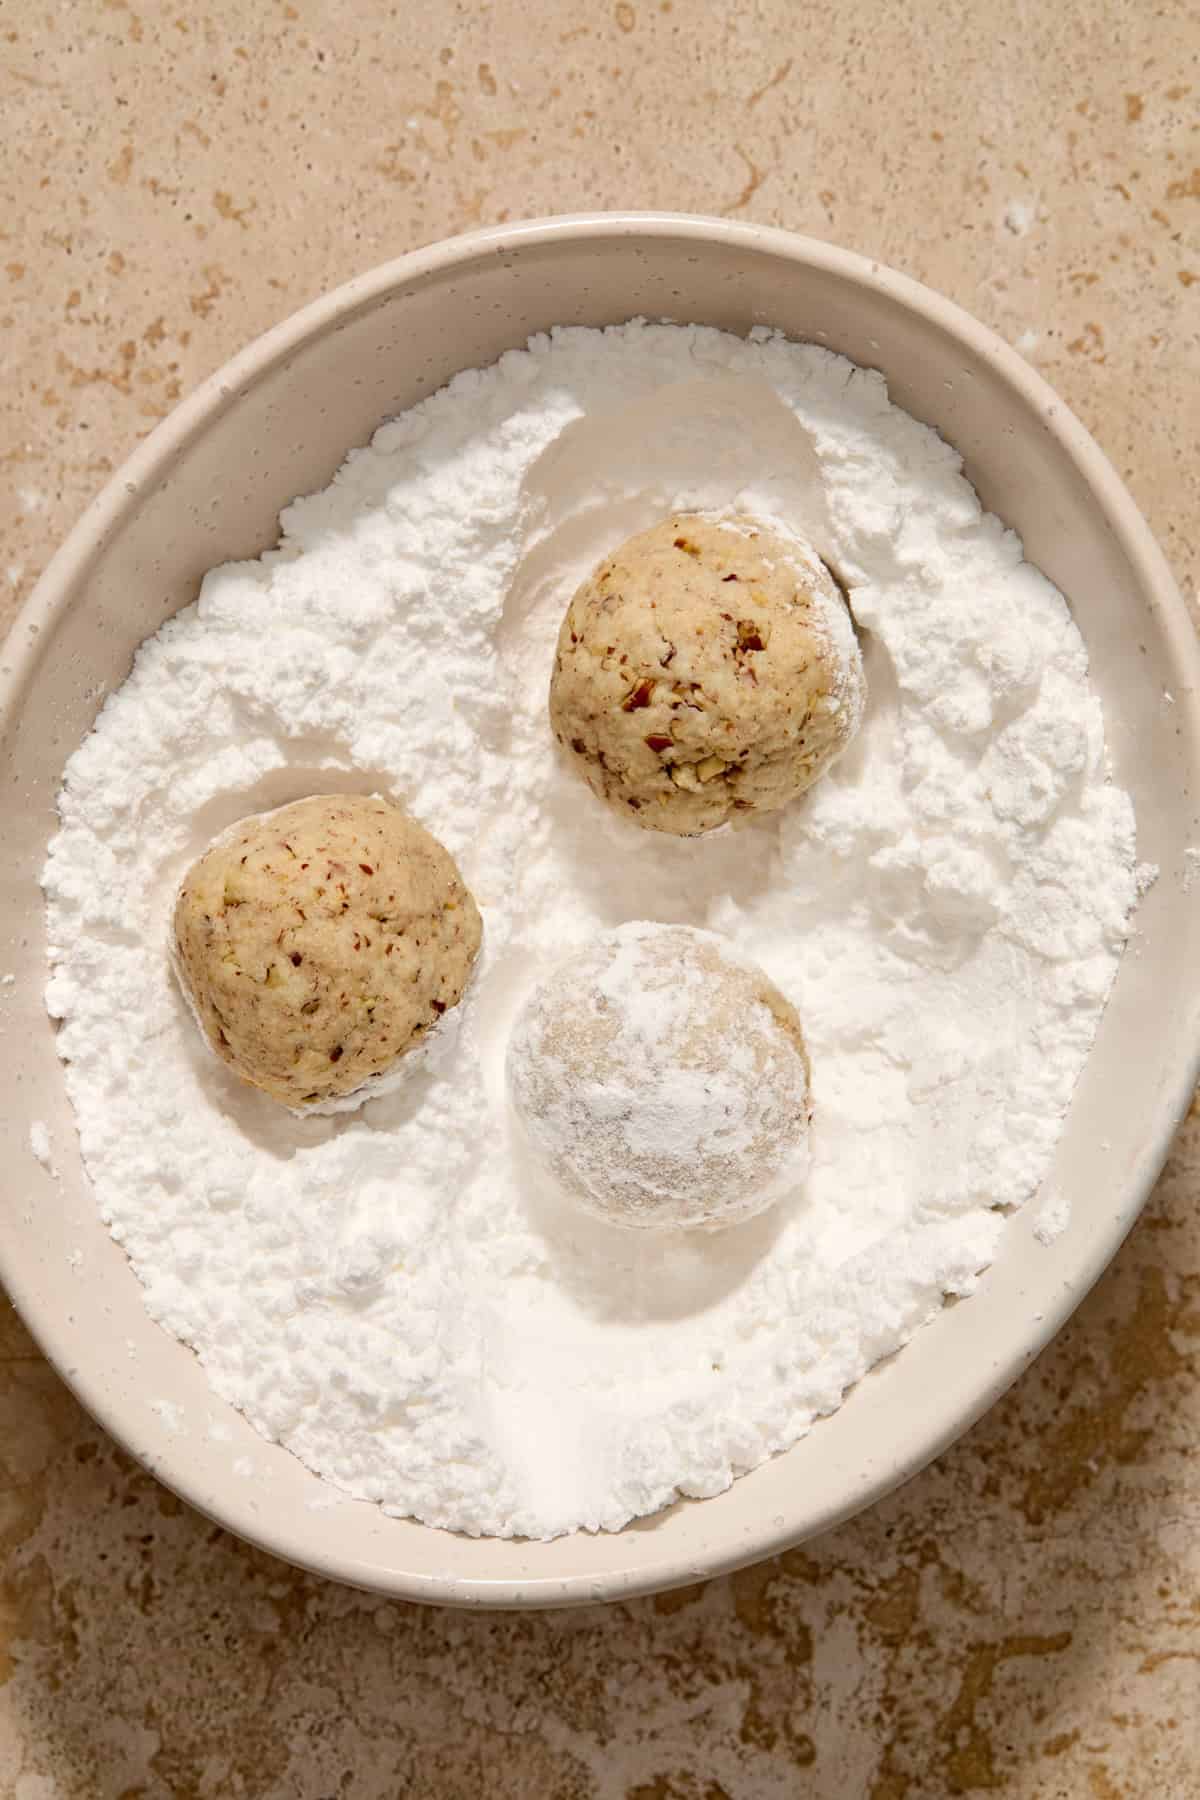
x: 706, y: 670
x: 318, y: 943
x: 663, y: 1082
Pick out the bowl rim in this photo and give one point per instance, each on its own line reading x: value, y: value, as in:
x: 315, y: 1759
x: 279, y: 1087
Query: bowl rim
x: 152, y: 459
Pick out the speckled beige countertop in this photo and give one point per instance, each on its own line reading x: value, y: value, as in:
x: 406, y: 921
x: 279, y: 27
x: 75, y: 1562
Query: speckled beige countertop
x: 1025, y: 1617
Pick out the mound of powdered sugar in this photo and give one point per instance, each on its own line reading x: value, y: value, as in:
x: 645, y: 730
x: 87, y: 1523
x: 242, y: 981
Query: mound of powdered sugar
x: 394, y: 1294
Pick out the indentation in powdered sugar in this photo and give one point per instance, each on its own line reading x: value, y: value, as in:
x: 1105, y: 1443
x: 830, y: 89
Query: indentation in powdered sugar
x: 391, y: 1293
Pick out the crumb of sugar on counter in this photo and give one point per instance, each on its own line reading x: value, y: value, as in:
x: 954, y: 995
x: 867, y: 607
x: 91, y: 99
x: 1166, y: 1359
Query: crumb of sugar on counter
x: 1019, y: 216
x: 1028, y: 342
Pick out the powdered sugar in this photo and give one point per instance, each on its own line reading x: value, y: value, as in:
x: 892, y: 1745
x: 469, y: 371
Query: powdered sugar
x: 1053, y: 1215
x: 39, y: 1144
x: 393, y: 1294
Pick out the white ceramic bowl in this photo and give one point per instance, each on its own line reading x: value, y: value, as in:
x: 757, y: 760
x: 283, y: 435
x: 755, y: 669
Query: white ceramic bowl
x: 208, y: 485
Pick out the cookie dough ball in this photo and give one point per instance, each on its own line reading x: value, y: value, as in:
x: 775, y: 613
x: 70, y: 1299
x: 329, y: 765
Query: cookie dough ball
x: 707, y: 670
x: 318, y: 943
x: 662, y: 1081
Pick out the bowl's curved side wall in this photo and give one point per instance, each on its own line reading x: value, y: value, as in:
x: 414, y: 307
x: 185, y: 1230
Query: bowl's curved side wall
x: 208, y: 485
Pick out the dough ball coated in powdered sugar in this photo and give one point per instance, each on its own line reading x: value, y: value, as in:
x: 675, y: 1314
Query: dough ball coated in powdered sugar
x: 663, y: 1081
x: 320, y: 942
x: 707, y: 670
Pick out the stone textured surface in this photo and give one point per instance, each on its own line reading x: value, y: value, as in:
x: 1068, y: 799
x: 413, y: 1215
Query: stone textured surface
x: 1024, y: 1617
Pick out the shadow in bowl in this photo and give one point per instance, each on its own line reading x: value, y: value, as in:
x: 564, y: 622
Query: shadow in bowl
x: 667, y: 1276
x: 259, y: 1119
